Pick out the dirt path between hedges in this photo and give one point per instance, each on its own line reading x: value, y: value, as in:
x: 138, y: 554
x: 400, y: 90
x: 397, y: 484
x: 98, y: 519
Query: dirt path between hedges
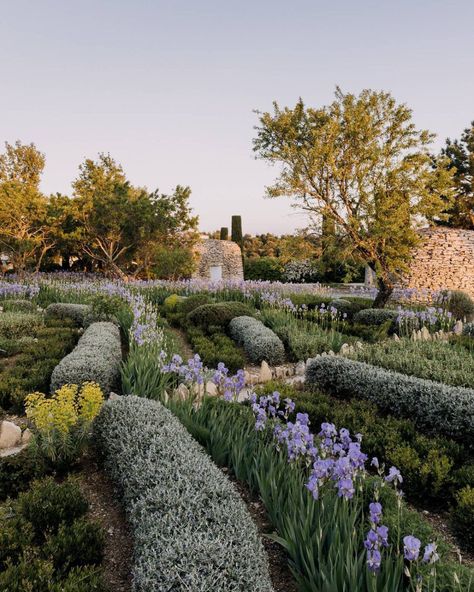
x: 105, y: 508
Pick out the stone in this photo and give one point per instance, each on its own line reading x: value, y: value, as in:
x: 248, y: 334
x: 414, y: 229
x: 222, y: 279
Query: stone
x: 396, y: 337
x: 182, y: 392
x: 280, y: 372
x: 265, y: 372
x: 10, y: 434
x: 414, y: 336
x: 300, y: 369
x: 425, y: 334
x: 331, y: 353
x: 26, y: 436
x: 457, y: 329
x: 211, y: 389
x: 218, y: 260
x: 113, y: 396
x: 345, y: 349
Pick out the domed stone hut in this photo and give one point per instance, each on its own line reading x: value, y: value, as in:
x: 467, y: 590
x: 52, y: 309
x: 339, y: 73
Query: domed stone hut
x: 218, y: 260
x: 444, y: 259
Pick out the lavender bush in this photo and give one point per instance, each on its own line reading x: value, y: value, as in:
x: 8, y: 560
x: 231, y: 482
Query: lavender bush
x: 191, y: 528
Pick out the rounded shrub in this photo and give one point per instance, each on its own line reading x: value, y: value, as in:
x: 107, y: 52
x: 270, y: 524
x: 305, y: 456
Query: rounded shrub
x: 461, y: 305
x: 187, y: 305
x: 219, y: 314
x: 343, y: 307
x: 462, y: 516
x: 171, y: 302
x: 78, y: 313
x: 19, y: 306
x: 259, y: 342
x: 375, y: 316
x: 468, y: 329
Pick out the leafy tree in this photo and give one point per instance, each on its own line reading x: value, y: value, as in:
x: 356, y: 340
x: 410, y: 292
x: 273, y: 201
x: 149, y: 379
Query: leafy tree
x: 360, y: 162
x: 461, y: 160
x: 24, y: 224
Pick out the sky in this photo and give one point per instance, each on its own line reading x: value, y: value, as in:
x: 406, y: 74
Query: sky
x: 169, y: 88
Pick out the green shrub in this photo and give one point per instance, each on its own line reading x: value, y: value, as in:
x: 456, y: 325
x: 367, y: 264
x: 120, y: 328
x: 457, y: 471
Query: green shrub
x: 259, y: 342
x: 16, y: 473
x: 219, y: 314
x: 47, y: 505
x: 263, y: 268
x: 187, y: 524
x: 216, y: 348
x: 376, y: 316
x: 29, y: 574
x: 434, y: 360
x: 96, y: 358
x: 431, y: 405
x: 78, y: 313
x: 462, y: 516
x: 170, y: 303
x: 14, y: 325
x: 18, y: 306
x: 311, y: 301
x: 468, y: 329
x: 80, y: 543
x: 461, y: 305
x: 187, y: 305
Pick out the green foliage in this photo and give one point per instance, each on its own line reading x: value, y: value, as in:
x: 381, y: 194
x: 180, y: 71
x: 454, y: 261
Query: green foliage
x: 140, y: 374
x: 377, y: 222
x: 236, y: 227
x: 172, y: 262
x: 461, y: 305
x: 434, y: 360
x: 17, y: 471
x: 14, y: 325
x: 263, y: 268
x: 433, y: 406
x: 224, y: 233
x: 376, y: 316
x: 171, y: 302
x: 461, y: 160
x: 31, y: 370
x: 18, y: 306
x: 302, y: 339
x: 77, y: 313
x: 216, y: 348
x: 46, y: 543
x: 219, y: 314
x: 468, y: 329
x: 462, y: 516
x: 259, y: 342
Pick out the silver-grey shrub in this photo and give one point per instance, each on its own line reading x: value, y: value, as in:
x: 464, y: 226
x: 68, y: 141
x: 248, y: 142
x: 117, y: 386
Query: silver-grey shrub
x: 259, y: 342
x: 468, y: 329
x: 375, y: 316
x: 78, y: 313
x: 191, y: 529
x: 96, y: 357
x: 433, y: 406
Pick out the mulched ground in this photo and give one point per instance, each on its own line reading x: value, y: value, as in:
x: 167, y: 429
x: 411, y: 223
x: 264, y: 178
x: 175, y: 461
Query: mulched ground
x: 106, y: 509
x: 280, y: 573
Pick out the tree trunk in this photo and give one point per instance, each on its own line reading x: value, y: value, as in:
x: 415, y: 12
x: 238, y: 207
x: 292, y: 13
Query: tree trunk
x: 385, y: 287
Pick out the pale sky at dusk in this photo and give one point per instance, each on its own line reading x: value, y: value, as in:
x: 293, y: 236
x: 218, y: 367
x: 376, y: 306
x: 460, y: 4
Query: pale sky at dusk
x: 168, y: 87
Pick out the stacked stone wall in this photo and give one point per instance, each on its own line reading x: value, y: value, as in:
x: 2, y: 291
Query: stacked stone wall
x: 444, y: 260
x: 224, y: 253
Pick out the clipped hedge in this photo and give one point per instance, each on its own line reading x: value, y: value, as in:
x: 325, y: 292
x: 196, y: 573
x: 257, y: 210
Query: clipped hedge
x: 431, y: 405
x: 375, y: 316
x: 259, y: 342
x: 96, y: 358
x: 18, y: 306
x: 219, y: 314
x: 191, y: 528
x: 78, y: 313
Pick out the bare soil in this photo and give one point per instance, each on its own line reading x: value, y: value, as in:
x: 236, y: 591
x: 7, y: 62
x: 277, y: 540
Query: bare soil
x: 106, y: 509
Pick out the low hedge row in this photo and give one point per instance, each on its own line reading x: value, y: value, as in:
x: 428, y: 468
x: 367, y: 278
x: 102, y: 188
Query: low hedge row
x: 78, y: 313
x: 219, y: 314
x: 18, y: 306
x: 96, y: 358
x: 259, y: 342
x: 375, y: 316
x: 433, y: 406
x: 216, y: 348
x: 191, y: 528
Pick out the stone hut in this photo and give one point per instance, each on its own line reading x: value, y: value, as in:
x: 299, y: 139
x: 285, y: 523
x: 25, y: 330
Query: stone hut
x: 218, y: 260
x: 444, y: 259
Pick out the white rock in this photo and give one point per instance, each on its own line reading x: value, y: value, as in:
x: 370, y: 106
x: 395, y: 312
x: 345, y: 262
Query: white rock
x: 331, y: 353
x: 113, y: 396
x: 265, y: 372
x: 26, y: 436
x: 425, y: 334
x: 345, y: 349
x: 280, y: 372
x: 414, y: 336
x: 10, y: 434
x: 396, y: 337
x: 182, y: 392
x: 300, y: 369
x: 211, y: 389
x: 457, y: 329
x: 359, y: 345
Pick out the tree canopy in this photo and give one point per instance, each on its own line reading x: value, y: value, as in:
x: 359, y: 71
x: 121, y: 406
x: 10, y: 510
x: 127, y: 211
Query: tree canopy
x: 361, y: 163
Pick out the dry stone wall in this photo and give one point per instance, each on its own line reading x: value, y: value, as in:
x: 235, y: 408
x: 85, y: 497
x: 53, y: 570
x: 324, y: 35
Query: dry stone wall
x: 445, y: 259
x: 223, y: 254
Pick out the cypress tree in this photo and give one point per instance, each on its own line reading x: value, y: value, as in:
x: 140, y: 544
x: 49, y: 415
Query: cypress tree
x: 237, y: 236
x: 224, y: 233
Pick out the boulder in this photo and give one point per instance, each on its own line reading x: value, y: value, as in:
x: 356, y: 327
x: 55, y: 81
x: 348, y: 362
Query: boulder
x: 10, y: 434
x: 26, y: 436
x: 458, y: 327
x: 211, y: 389
x: 425, y: 334
x: 265, y: 372
x: 300, y: 369
x: 182, y: 392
